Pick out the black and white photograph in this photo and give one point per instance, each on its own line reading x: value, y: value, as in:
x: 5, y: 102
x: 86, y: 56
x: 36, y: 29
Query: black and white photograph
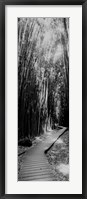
x: 43, y: 98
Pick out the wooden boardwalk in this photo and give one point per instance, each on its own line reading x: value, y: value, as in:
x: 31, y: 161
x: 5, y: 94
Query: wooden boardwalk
x: 35, y: 166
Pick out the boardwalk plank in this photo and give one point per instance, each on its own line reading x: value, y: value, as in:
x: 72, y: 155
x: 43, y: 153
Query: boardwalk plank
x: 35, y: 166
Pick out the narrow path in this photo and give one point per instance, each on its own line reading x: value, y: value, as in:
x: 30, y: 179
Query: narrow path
x: 35, y: 166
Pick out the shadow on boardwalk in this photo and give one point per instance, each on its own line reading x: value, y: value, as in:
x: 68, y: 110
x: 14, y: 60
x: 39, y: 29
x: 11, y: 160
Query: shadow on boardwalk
x: 35, y: 166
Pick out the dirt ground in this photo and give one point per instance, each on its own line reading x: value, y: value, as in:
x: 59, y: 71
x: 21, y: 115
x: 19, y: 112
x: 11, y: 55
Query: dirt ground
x: 58, y: 157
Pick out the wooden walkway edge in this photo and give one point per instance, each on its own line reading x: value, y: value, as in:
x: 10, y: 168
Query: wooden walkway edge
x: 35, y: 166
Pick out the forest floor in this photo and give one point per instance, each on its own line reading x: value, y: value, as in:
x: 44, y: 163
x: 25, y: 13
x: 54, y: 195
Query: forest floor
x: 58, y: 155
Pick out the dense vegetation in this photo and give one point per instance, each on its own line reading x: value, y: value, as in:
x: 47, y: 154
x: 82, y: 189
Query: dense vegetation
x: 43, y: 74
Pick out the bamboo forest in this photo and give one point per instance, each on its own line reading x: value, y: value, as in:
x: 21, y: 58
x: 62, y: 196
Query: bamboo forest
x: 43, y: 82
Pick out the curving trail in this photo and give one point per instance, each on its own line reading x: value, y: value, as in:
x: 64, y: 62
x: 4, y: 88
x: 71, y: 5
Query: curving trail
x: 35, y: 166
